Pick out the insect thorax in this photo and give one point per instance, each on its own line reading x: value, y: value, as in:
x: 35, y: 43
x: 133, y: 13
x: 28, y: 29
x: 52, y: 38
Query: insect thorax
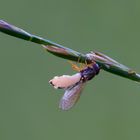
x: 89, y: 72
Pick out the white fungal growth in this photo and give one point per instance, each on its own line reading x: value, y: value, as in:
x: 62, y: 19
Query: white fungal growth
x: 65, y: 81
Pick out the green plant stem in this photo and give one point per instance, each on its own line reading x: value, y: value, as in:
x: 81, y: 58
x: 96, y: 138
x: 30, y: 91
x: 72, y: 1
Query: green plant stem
x: 105, y: 62
x: 49, y: 45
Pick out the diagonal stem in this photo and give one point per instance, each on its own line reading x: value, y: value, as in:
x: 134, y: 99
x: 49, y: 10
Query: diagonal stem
x: 49, y: 45
x: 105, y: 62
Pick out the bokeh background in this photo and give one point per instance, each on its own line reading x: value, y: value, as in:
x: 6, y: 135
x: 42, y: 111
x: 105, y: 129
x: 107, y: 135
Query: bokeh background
x: 109, y: 108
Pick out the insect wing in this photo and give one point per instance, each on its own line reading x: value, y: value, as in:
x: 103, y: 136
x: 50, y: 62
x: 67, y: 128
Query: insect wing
x: 71, y: 96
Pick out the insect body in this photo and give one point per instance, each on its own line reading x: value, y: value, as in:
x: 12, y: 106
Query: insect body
x: 74, y: 84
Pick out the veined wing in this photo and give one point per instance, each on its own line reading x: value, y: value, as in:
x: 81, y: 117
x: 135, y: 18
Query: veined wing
x: 71, y: 96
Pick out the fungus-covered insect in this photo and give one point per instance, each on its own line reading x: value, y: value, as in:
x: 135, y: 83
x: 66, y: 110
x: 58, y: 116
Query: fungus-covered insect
x: 73, y: 85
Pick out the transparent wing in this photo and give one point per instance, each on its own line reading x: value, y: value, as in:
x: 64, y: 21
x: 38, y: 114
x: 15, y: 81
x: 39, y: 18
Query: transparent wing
x: 71, y: 96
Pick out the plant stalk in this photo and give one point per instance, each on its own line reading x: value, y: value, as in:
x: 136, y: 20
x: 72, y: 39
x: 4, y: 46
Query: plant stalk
x: 106, y: 63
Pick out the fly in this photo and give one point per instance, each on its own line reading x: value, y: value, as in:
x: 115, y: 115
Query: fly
x: 73, y: 85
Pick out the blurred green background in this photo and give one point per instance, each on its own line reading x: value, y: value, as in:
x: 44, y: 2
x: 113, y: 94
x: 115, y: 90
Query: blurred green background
x: 109, y: 108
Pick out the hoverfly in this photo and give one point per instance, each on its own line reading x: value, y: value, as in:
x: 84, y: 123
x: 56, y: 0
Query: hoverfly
x: 73, y: 85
